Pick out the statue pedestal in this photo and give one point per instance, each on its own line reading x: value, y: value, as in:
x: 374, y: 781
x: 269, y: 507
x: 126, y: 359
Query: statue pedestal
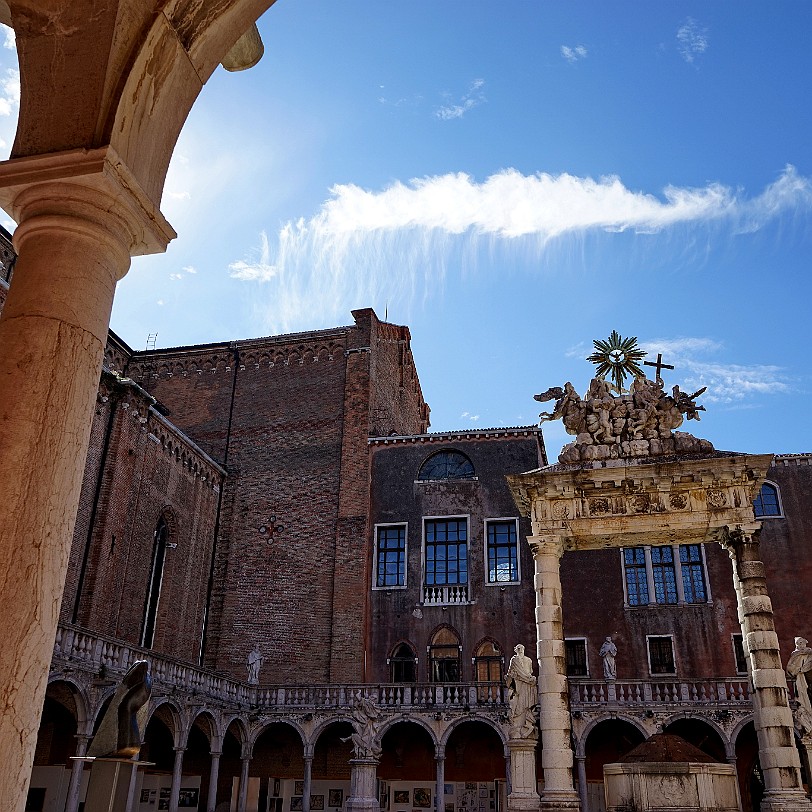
x: 108, y: 789
x: 523, y: 793
x: 363, y: 786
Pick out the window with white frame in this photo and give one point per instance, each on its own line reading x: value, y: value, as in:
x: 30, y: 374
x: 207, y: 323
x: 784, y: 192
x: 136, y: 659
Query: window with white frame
x: 575, y: 650
x: 666, y: 575
x: 767, y: 505
x: 738, y: 654
x: 502, y: 551
x: 661, y: 655
x: 390, y: 555
x: 445, y: 560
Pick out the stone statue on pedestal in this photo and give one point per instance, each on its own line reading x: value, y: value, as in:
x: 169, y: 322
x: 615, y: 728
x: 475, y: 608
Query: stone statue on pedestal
x: 799, y: 665
x: 365, y: 721
x: 522, y: 695
x: 255, y: 660
x: 608, y: 653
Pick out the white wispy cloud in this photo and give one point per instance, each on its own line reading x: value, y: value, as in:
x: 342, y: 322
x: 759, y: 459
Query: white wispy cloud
x: 10, y: 92
x: 176, y: 276
x: 697, y: 364
x: 469, y: 100
x: 702, y: 361
x: 468, y: 416
x: 9, y: 38
x: 178, y: 195
x: 337, y: 255
x: 189, y: 269
x: 573, y: 54
x: 692, y: 40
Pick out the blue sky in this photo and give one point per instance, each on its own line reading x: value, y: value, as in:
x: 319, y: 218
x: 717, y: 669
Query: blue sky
x: 512, y: 181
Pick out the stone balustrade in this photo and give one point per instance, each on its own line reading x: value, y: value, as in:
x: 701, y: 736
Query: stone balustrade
x: 593, y: 693
x: 79, y: 649
x: 445, y: 595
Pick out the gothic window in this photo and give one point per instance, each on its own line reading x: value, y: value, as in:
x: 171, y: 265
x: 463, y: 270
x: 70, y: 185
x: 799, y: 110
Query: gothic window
x: 767, y: 503
x: 634, y: 564
x: 575, y: 650
x: 444, y: 656
x: 156, y: 575
x: 488, y: 671
x: 446, y: 552
x: 446, y: 465
x: 665, y: 576
x: 502, y: 550
x: 661, y: 655
x: 403, y: 664
x: 390, y: 545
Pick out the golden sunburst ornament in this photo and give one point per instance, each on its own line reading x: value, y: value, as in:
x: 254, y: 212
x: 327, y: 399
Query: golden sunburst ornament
x: 619, y: 357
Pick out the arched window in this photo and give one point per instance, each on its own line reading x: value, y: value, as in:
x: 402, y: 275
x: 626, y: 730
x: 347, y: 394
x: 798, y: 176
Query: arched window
x: 403, y: 664
x: 444, y: 656
x: 768, y: 502
x: 447, y: 465
x: 488, y: 671
x: 156, y: 576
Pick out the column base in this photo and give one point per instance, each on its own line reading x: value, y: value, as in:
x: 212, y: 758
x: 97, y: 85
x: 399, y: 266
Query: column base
x: 561, y: 801
x: 363, y: 786
x: 523, y: 802
x: 786, y: 800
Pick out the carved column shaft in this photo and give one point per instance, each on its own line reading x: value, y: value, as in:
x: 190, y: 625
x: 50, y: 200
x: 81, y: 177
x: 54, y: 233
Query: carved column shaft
x: 242, y: 797
x: 214, y: 775
x: 307, y: 783
x: 554, y: 716
x: 778, y: 756
x: 177, y: 775
x: 439, y: 799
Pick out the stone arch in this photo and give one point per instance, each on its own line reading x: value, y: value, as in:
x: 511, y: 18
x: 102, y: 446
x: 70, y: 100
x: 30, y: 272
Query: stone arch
x: 408, y: 753
x: 210, y: 727
x: 488, y: 661
x: 690, y: 728
x: 474, y: 746
x: 340, y: 716
x: 476, y: 718
x: 332, y: 750
x: 443, y: 664
x: 80, y: 697
x: 260, y: 729
x: 593, y: 723
x: 608, y: 741
x: 402, y: 662
x: 417, y: 720
x: 168, y: 711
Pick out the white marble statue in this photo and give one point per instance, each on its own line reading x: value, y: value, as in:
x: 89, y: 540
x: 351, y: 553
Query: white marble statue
x: 365, y: 740
x: 255, y: 660
x: 608, y: 653
x: 522, y: 695
x: 799, y: 665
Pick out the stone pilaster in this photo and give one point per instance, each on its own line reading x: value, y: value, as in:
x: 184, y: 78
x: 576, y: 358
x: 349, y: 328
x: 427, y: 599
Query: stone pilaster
x: 554, y: 716
x: 363, y: 786
x: 523, y: 796
x: 778, y: 756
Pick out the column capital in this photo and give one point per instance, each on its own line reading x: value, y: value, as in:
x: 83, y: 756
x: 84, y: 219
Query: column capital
x: 439, y: 753
x: 179, y: 749
x: 733, y: 537
x: 216, y: 753
x: 547, y: 544
x: 94, y: 185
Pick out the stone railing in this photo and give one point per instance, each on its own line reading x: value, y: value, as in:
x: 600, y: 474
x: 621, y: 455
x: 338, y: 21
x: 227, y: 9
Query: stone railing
x: 727, y: 691
x: 445, y: 595
x: 77, y: 648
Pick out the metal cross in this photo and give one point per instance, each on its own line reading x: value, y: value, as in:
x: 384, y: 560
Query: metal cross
x: 659, y: 364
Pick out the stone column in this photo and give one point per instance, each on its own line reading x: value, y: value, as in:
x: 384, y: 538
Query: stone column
x: 778, y: 755
x: 177, y: 776
x: 439, y: 800
x: 214, y: 774
x: 76, y: 773
x: 81, y: 214
x: 363, y: 786
x: 308, y: 781
x: 582, y: 787
x: 242, y: 794
x: 554, y: 715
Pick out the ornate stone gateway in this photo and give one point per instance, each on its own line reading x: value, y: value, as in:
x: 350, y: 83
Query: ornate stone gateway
x: 630, y: 480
